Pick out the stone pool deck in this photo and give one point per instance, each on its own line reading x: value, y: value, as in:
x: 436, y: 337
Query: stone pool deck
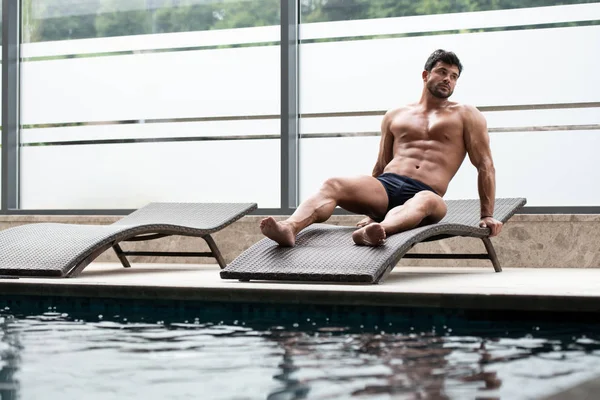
x: 520, y: 289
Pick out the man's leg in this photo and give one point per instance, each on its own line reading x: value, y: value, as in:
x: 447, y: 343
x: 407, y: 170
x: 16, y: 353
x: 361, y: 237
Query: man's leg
x: 362, y: 195
x: 426, y: 207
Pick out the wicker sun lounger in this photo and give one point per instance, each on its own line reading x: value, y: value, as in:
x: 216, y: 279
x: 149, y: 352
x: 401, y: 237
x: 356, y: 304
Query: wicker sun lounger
x: 64, y: 250
x: 327, y: 253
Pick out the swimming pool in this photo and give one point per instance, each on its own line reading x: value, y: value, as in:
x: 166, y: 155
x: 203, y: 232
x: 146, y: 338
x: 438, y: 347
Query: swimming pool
x: 73, y: 348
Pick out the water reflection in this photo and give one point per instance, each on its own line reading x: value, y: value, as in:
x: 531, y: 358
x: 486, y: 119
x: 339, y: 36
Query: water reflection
x: 9, y: 359
x: 428, y: 366
x: 149, y: 357
x: 331, y: 365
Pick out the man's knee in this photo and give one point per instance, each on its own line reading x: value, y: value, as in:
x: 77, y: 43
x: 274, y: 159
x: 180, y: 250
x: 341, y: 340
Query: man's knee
x: 332, y: 187
x: 430, y: 204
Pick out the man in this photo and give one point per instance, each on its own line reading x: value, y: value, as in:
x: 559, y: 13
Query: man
x: 422, y: 147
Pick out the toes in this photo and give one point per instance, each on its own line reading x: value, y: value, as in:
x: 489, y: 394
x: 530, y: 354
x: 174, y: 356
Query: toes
x: 270, y: 223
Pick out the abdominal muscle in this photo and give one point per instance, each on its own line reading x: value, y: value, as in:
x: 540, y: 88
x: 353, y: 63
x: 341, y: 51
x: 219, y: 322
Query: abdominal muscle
x: 434, y: 164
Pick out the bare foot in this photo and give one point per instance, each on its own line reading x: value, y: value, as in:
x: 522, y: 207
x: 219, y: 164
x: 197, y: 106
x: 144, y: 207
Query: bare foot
x: 280, y: 232
x: 370, y: 235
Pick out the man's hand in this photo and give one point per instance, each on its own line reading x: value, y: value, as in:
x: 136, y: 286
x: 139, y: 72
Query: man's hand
x: 494, y: 225
x: 364, y: 222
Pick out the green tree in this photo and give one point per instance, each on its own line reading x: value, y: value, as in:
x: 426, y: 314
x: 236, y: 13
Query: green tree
x: 62, y: 20
x: 183, y: 16
x: 243, y: 14
x: 49, y: 20
x: 110, y: 21
x: 342, y: 10
x: 335, y: 10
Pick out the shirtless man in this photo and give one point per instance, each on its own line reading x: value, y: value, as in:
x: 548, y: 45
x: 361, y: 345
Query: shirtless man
x: 422, y: 147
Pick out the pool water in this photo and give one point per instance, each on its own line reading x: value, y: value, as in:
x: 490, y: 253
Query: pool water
x: 212, y: 352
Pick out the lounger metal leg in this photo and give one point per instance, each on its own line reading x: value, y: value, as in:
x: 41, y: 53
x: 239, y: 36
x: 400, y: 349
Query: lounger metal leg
x: 215, y: 250
x: 121, y: 256
x: 384, y: 275
x: 86, y: 261
x: 492, y: 253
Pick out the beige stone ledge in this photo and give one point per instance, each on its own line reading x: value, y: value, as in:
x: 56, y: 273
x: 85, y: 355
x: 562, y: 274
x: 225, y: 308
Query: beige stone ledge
x: 336, y: 219
x: 528, y: 240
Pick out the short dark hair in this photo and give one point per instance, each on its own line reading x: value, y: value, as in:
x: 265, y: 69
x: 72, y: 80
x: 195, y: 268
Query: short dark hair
x: 447, y: 57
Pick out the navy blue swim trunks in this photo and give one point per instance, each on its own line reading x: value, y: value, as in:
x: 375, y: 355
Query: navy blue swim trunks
x: 401, y: 188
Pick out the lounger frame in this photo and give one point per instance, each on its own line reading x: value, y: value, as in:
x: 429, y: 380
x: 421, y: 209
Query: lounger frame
x: 326, y: 253
x: 489, y: 255
x: 64, y: 250
x: 122, y: 254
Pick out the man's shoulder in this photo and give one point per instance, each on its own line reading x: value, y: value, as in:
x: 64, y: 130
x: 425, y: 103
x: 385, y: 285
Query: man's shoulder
x: 399, y: 110
x: 471, y: 117
x: 467, y: 110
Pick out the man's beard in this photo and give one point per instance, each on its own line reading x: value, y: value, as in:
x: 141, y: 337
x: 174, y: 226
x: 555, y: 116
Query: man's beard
x: 437, y: 93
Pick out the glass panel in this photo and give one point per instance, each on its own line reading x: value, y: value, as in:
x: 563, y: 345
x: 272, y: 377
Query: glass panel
x: 516, y: 63
x: 522, y: 170
x: 535, y: 164
x: 350, y: 75
x: 236, y: 82
x: 344, y: 10
x: 112, y: 176
x: 48, y: 20
x: 128, y: 102
x: 327, y: 157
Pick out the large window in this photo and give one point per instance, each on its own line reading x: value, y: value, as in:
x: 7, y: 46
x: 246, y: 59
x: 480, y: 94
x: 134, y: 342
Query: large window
x: 125, y: 102
x: 132, y: 101
x: 529, y: 67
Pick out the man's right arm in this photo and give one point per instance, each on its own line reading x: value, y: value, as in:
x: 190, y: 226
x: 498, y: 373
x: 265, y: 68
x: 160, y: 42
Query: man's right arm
x: 386, y: 146
x: 477, y: 143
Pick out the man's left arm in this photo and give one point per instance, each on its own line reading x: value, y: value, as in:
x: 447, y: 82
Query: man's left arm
x: 477, y: 142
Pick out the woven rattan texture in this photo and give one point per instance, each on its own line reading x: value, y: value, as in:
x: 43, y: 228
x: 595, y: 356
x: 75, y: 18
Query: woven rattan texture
x: 327, y: 253
x: 196, y: 216
x: 55, y: 249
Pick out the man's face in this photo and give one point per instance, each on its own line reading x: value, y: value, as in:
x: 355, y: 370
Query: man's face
x: 442, y: 79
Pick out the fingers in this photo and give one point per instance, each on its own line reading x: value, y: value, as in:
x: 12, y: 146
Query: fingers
x: 494, y: 226
x: 498, y: 229
x: 493, y: 231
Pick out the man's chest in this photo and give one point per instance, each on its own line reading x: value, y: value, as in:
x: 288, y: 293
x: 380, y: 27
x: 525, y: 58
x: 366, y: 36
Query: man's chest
x: 440, y: 127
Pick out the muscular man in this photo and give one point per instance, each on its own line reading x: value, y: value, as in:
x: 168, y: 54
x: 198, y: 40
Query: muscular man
x: 422, y: 147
